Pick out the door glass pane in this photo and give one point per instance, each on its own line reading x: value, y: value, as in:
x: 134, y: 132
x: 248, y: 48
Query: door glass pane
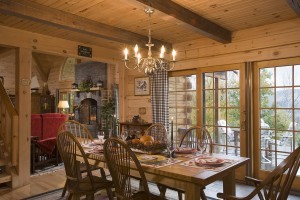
x: 297, y: 120
x: 266, y: 77
x: 209, y: 117
x: 233, y: 99
x: 233, y: 79
x: 233, y: 117
x: 209, y: 81
x: 297, y: 97
x: 284, y: 97
x: 222, y: 98
x: 278, y: 125
x: 267, y: 119
x: 267, y: 98
x: 284, y: 76
x: 209, y: 98
x: 297, y: 72
x: 182, y: 104
x: 223, y: 111
x: 220, y: 80
x: 283, y: 118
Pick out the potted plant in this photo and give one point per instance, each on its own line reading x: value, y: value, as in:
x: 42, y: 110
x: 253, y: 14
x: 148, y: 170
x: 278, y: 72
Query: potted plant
x: 85, y: 85
x: 107, y: 114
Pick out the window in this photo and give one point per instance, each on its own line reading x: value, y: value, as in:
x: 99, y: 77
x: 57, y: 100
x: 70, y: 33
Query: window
x: 182, y: 103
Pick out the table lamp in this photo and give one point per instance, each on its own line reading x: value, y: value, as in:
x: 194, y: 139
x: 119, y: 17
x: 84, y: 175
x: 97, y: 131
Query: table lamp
x: 62, y: 104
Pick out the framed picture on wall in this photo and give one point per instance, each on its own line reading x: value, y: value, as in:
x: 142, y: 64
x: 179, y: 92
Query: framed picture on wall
x: 141, y: 86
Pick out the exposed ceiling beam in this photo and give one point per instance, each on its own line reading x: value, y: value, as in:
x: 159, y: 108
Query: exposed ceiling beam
x: 49, y: 16
x: 295, y: 5
x: 191, y: 19
x: 39, y: 68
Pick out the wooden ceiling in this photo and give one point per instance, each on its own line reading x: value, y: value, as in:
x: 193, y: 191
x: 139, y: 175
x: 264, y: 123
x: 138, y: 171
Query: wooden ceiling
x: 116, y: 23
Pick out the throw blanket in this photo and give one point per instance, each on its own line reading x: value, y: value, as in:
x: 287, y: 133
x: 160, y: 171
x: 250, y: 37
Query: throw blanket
x: 47, y: 145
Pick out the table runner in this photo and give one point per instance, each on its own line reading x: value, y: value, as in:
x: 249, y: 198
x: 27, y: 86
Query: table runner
x: 163, y: 163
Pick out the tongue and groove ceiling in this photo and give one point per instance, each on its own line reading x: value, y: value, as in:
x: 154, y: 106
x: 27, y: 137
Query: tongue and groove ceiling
x: 116, y: 23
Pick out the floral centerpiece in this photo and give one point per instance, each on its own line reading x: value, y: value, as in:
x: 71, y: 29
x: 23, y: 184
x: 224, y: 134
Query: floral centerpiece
x: 147, y: 144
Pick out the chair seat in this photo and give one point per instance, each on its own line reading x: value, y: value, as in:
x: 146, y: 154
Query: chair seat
x: 84, y: 185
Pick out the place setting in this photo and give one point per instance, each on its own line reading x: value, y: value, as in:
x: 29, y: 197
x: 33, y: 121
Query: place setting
x: 207, y: 162
x: 156, y: 161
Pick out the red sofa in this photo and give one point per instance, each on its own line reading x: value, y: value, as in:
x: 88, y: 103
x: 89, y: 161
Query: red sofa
x: 46, y: 125
x: 44, y: 129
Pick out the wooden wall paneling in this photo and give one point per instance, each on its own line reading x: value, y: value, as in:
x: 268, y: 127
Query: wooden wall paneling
x: 284, y: 51
x: 7, y: 70
x: 23, y: 97
x: 51, y: 45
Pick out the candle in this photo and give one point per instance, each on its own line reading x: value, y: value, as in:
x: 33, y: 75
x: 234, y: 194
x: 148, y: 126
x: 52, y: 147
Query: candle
x: 172, y: 132
x: 139, y: 58
x: 162, y: 51
x: 173, y: 54
x: 125, y: 53
x: 136, y: 49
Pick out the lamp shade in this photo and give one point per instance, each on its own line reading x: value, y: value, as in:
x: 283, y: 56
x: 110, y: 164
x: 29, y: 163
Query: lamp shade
x: 63, y: 104
x: 34, y: 83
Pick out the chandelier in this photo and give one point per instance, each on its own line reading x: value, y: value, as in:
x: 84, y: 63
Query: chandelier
x: 149, y: 65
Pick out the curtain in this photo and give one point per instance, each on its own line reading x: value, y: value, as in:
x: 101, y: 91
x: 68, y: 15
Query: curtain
x: 160, y: 97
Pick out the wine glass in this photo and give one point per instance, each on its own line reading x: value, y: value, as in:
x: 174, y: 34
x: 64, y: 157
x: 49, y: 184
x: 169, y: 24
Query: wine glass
x: 201, y: 147
x: 101, y: 136
x: 124, y: 135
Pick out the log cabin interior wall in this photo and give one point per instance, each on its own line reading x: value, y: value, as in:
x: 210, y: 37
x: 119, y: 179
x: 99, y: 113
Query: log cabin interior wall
x: 261, y: 30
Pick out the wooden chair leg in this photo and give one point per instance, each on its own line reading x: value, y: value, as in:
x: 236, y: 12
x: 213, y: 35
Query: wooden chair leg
x: 109, y: 194
x: 64, y: 189
x: 69, y: 197
x: 179, y: 195
x: 102, y: 172
x: 202, y: 195
x: 162, y: 190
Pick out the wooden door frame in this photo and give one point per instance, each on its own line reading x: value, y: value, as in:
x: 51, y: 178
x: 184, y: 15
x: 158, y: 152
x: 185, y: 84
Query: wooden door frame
x: 240, y: 173
x: 258, y: 173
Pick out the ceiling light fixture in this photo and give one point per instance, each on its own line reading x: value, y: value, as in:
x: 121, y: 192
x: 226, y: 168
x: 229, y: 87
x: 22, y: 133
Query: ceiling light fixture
x: 149, y: 64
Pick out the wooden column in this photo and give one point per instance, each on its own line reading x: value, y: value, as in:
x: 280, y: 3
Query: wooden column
x: 23, y: 97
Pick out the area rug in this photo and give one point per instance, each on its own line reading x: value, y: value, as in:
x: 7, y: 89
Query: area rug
x: 48, y: 169
x: 56, y: 194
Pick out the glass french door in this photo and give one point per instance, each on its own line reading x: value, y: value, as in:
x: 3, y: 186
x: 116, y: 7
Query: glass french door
x: 277, y: 113
x: 222, y: 108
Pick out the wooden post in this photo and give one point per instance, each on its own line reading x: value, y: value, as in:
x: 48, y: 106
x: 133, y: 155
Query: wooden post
x: 23, y: 97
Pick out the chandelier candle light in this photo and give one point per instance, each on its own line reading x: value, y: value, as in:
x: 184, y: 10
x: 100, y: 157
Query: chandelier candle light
x: 149, y: 64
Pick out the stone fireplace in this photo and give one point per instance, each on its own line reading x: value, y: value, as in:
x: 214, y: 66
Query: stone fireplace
x: 88, y: 104
x: 88, y: 111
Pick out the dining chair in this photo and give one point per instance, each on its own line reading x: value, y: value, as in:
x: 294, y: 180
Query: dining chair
x: 78, y: 130
x: 277, y: 185
x: 120, y: 159
x: 198, y: 138
x: 84, y: 136
x: 158, y: 132
x: 71, y: 151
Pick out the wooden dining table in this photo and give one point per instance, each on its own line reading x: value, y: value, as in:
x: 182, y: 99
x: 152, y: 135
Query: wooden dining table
x: 184, y: 177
